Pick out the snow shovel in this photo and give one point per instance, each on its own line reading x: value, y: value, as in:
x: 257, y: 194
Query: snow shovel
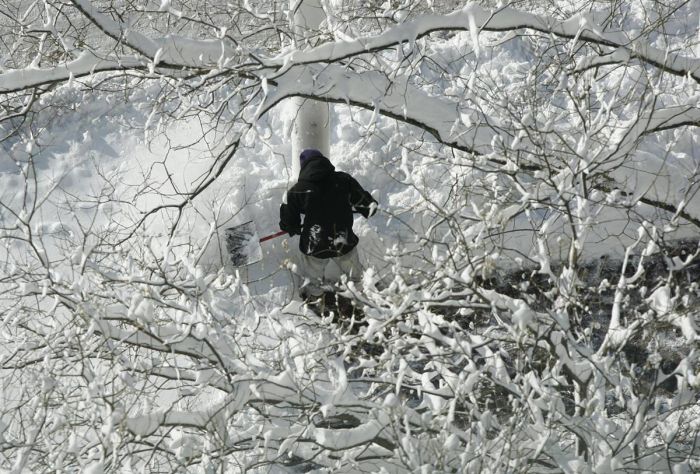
x: 243, y: 243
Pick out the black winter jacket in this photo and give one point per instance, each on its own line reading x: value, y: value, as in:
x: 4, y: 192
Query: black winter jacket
x: 327, y: 198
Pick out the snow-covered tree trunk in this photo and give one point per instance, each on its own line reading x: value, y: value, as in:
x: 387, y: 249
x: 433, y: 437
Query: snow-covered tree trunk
x: 311, y: 127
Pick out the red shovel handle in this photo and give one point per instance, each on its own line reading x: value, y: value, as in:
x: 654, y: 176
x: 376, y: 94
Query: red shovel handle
x: 272, y: 236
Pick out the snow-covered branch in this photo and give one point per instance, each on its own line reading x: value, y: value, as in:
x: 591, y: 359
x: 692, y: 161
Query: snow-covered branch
x: 581, y: 27
x: 395, y: 98
x: 86, y: 64
x: 169, y: 51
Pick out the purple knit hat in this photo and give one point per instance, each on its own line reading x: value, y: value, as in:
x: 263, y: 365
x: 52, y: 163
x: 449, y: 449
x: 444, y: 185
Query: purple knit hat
x: 307, y: 154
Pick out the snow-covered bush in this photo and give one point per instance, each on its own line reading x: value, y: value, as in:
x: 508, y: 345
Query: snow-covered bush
x: 530, y: 302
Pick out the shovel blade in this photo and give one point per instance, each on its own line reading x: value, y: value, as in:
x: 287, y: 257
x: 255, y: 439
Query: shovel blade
x: 243, y: 244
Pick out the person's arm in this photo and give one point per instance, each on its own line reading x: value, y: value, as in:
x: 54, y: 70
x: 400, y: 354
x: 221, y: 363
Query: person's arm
x: 361, y: 200
x: 290, y: 216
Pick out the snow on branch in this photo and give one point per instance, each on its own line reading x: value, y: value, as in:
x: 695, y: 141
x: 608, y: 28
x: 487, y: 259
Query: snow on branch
x: 117, y: 31
x: 652, y: 122
x: 671, y: 117
x: 171, y: 50
x: 342, y: 439
x: 618, y: 56
x: 276, y: 390
x: 395, y: 98
x: 581, y: 27
x: 87, y: 63
x: 214, y: 416
x: 169, y: 340
x: 652, y: 179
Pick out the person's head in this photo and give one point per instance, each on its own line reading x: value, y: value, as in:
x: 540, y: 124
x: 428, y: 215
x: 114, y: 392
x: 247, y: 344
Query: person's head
x: 308, y: 154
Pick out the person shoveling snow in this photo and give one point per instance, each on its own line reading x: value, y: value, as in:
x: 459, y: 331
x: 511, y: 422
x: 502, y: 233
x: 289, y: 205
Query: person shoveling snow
x: 327, y: 198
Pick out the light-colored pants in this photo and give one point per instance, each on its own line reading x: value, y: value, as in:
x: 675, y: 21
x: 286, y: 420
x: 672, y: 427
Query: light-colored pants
x: 312, y: 271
